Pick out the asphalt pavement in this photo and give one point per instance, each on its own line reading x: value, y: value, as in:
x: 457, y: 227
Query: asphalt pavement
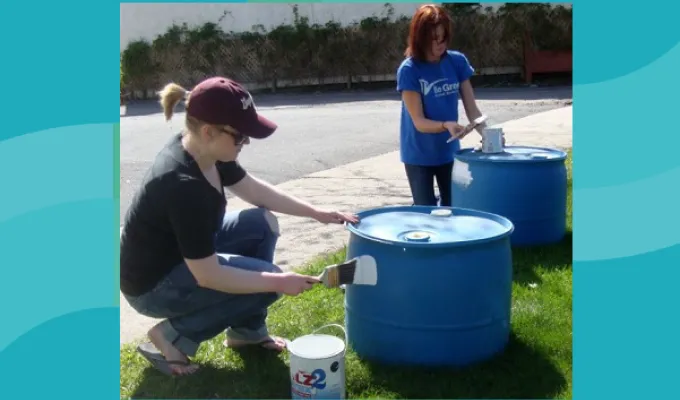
x: 316, y: 131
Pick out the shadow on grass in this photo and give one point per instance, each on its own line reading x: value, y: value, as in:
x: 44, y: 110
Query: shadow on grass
x: 553, y: 257
x: 262, y: 375
x: 518, y: 372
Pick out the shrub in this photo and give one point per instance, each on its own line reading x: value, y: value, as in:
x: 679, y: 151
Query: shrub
x: 304, y: 50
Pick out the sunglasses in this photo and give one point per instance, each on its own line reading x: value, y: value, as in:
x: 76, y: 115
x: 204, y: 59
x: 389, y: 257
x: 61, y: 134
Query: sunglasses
x: 239, y: 138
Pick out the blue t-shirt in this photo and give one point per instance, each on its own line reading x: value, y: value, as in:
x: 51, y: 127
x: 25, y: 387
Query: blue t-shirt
x: 438, y: 85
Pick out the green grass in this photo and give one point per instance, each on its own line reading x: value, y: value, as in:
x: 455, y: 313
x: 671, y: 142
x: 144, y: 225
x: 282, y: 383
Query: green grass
x: 536, y: 364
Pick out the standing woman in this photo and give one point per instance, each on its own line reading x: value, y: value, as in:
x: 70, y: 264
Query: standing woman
x: 182, y: 258
x: 431, y: 79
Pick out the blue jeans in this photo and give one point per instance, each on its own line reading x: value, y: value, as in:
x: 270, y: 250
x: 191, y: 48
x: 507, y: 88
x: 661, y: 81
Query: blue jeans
x: 195, y: 314
x: 421, y: 180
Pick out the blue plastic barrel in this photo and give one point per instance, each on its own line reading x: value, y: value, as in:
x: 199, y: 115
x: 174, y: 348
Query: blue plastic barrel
x: 527, y: 185
x: 444, y: 287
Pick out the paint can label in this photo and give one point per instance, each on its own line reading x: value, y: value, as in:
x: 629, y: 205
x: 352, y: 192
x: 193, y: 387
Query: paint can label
x: 319, y: 383
x: 492, y: 140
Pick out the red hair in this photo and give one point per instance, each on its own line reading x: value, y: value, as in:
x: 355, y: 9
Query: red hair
x: 423, y: 26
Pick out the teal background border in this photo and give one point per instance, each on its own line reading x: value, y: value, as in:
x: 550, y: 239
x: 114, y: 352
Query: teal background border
x: 60, y: 179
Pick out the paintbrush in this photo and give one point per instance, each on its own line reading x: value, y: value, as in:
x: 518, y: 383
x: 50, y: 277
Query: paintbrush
x: 478, y: 121
x: 360, y: 270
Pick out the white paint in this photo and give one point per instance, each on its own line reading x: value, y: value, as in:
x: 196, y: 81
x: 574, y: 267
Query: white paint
x: 461, y: 174
x: 317, y: 366
x: 366, y: 271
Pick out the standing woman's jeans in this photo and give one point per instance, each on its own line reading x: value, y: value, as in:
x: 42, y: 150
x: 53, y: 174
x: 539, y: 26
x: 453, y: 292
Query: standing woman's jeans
x: 194, y: 314
x: 421, y: 180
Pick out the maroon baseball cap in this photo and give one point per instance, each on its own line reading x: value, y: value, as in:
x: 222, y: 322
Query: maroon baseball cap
x: 222, y: 101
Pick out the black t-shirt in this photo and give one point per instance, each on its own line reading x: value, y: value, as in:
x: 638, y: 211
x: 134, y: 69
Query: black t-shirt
x: 175, y: 214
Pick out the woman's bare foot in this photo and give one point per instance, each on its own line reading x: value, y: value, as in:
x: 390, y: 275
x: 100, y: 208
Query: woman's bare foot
x: 171, y: 353
x: 270, y: 343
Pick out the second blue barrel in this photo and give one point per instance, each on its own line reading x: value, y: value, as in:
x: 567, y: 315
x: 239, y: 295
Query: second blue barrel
x: 443, y: 295
x: 527, y: 185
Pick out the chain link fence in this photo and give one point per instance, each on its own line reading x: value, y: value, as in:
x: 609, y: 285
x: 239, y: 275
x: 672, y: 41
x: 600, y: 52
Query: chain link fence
x: 313, y: 54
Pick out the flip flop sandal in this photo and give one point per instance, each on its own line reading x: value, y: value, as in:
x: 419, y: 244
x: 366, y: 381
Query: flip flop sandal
x: 156, y: 358
x: 263, y: 344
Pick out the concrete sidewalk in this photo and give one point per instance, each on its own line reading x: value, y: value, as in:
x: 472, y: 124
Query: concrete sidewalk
x: 373, y: 182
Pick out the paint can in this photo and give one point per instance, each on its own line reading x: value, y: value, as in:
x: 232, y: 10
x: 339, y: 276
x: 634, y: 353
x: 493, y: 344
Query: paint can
x: 317, y: 365
x: 492, y: 140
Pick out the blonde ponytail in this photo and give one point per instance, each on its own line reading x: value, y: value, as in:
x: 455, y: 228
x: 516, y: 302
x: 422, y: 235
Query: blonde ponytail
x: 170, y: 95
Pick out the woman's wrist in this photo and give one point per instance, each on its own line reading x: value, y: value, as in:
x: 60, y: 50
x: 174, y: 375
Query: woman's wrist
x: 274, y: 281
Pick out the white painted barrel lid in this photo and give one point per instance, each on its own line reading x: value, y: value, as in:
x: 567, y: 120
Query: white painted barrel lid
x: 316, y: 347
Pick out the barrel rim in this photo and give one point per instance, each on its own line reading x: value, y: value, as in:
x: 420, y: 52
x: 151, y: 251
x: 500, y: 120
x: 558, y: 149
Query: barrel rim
x: 464, y: 155
x: 503, y: 221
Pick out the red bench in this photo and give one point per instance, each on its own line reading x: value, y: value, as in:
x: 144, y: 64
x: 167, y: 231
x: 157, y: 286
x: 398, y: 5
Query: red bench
x: 544, y: 61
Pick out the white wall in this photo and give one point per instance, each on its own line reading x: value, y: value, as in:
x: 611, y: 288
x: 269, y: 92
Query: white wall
x: 147, y: 20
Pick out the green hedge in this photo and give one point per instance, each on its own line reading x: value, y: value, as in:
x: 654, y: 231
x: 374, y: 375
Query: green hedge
x: 372, y: 46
